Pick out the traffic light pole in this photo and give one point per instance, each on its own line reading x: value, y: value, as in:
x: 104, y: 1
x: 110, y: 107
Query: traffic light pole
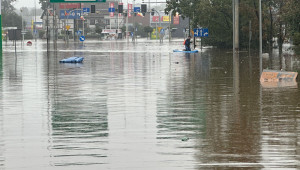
x: 127, y: 37
x: 0, y: 31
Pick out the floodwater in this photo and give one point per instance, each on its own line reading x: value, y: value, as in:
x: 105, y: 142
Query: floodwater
x: 140, y: 106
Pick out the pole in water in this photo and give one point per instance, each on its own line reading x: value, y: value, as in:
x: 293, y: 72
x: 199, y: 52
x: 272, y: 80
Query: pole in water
x: 236, y: 25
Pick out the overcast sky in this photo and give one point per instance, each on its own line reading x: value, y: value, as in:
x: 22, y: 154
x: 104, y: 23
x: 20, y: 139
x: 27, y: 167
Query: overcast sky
x: 30, y: 3
x: 26, y: 3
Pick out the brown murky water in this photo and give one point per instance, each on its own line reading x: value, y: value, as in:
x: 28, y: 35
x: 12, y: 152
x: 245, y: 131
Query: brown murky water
x: 141, y: 106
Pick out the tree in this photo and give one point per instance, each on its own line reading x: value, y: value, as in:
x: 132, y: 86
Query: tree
x: 217, y: 16
x: 45, y: 4
x: 291, y: 15
x: 7, y: 6
x: 98, y: 29
x: 9, y: 16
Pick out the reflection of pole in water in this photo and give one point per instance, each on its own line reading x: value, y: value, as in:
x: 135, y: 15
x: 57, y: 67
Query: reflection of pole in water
x: 236, y: 82
x: 260, y: 38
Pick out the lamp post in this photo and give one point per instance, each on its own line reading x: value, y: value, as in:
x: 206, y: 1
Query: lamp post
x: 22, y: 29
x: 260, y: 38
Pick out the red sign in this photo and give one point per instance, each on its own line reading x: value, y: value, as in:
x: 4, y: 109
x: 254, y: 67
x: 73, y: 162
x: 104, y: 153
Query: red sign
x: 155, y: 19
x: 129, y: 10
x: 69, y: 5
x: 111, y: 5
x: 176, y: 20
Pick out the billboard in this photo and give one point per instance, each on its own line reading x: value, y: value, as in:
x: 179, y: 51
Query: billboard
x: 70, y: 14
x: 176, y: 20
x: 69, y: 5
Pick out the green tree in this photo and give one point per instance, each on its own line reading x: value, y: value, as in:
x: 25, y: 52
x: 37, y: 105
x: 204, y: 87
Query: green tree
x: 291, y: 15
x: 9, y: 16
x: 217, y: 16
x: 98, y: 29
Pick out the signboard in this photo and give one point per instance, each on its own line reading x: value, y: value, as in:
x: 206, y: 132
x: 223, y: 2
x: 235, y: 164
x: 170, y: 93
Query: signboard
x: 68, y: 27
x: 14, y: 34
x: 111, y: 9
x: 201, y: 32
x: 155, y: 19
x: 129, y: 10
x: 166, y: 18
x: 86, y: 10
x: 162, y: 19
x: 79, y: 33
x: 76, y: 1
x: 82, y: 38
x: 176, y: 20
x: 137, y: 9
x: 204, y: 32
x: 70, y: 14
x: 69, y: 5
x: 277, y: 76
x: 111, y: 31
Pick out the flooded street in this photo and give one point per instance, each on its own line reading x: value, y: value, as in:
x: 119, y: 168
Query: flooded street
x: 140, y: 106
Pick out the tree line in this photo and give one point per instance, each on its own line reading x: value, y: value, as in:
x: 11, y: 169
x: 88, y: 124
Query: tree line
x: 281, y: 20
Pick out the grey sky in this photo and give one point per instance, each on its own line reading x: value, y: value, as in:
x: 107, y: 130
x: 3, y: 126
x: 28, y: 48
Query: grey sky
x: 26, y: 3
x: 30, y: 3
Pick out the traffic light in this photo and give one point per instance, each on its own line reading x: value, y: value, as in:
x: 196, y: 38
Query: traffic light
x: 120, y: 8
x: 93, y: 8
x: 144, y: 8
x: 152, y: 12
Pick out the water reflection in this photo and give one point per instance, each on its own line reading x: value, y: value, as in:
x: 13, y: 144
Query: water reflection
x: 138, y: 106
x: 78, y: 114
x: 2, y: 147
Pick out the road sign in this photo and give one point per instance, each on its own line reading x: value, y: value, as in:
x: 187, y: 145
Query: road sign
x: 137, y: 9
x: 201, y: 32
x: 82, y: 38
x: 68, y: 27
x: 111, y: 9
x: 79, y: 33
x: 76, y: 1
x: 204, y: 32
x: 85, y: 10
x: 70, y: 14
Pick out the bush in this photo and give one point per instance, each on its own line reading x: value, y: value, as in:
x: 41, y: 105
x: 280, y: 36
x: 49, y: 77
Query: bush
x: 28, y: 35
x: 296, y: 39
x: 42, y: 34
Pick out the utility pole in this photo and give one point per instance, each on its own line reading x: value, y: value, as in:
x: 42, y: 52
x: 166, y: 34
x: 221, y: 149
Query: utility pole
x: 260, y: 38
x: 22, y: 30
x: 35, y: 31
x: 127, y: 37
x: 0, y: 31
x: 236, y: 26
